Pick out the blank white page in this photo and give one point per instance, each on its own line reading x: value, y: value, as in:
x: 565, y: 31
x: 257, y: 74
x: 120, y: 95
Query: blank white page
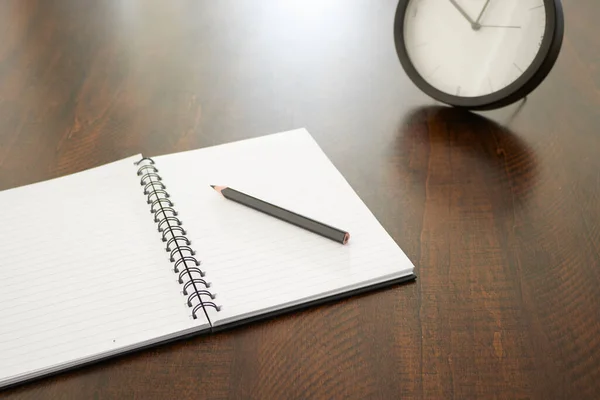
x: 257, y: 263
x: 83, y: 273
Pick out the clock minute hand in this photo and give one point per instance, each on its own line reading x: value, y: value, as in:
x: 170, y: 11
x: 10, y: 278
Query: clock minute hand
x: 482, y: 11
x: 464, y: 14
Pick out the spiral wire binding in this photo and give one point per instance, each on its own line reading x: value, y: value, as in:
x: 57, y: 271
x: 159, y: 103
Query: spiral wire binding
x: 185, y: 264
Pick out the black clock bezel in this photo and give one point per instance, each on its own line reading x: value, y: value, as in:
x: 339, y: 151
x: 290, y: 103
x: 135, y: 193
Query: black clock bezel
x: 530, y: 79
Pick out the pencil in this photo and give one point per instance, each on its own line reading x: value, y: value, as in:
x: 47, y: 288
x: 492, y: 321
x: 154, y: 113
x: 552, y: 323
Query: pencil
x: 290, y: 217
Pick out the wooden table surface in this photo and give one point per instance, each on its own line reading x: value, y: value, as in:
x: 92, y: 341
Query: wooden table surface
x: 500, y: 212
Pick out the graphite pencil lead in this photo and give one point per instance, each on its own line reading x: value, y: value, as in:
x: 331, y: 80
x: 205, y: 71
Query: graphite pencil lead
x: 212, y: 186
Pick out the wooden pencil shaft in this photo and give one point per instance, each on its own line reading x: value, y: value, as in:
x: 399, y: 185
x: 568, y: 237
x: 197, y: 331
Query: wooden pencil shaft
x: 293, y: 218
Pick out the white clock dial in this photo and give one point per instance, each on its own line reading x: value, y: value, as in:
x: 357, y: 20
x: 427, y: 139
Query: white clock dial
x: 461, y: 55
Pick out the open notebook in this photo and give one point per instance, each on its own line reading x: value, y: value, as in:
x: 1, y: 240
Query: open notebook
x: 89, y: 269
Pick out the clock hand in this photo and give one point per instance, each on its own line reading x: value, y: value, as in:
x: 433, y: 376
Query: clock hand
x: 464, y: 14
x: 500, y: 26
x: 482, y: 11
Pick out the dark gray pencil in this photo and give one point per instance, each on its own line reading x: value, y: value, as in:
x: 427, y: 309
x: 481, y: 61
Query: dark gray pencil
x: 309, y: 224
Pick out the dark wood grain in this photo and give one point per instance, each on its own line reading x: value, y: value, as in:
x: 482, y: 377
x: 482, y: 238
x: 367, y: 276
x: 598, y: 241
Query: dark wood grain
x: 500, y: 212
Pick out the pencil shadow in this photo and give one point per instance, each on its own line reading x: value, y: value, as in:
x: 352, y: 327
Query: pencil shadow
x: 475, y: 158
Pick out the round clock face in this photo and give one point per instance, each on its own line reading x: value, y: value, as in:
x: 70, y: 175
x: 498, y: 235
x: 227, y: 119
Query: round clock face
x: 484, y: 49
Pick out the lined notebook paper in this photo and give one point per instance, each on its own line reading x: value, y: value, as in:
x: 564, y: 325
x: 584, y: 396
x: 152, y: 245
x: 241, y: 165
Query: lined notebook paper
x: 260, y: 264
x: 143, y: 251
x: 83, y: 273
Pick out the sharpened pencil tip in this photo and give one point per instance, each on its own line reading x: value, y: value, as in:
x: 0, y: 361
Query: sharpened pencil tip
x: 212, y: 186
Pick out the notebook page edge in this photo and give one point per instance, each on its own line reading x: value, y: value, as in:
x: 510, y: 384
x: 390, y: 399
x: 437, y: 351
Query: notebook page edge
x: 268, y: 136
x: 347, y: 289
x: 87, y: 361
